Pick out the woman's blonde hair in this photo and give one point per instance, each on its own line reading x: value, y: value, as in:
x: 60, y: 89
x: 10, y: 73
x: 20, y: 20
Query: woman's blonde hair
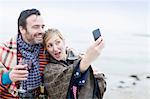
x: 51, y: 32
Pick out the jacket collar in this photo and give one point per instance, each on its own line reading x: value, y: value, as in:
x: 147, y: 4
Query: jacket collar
x: 71, y: 56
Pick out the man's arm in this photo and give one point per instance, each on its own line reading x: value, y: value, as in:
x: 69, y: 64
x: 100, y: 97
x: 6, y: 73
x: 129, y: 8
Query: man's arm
x: 2, y: 69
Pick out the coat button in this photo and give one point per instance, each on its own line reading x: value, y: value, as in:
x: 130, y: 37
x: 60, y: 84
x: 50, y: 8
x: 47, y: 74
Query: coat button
x: 83, y: 81
x: 77, y: 73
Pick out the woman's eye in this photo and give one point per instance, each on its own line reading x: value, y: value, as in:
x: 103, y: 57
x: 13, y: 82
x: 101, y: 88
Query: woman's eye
x: 49, y: 45
x: 57, y: 42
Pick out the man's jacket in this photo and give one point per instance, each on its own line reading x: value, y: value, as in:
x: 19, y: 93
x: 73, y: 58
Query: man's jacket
x: 8, y: 59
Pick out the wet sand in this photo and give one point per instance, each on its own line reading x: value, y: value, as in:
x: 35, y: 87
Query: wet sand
x: 131, y: 87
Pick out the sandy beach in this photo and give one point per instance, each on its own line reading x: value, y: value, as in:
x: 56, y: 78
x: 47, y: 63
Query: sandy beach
x: 135, y: 87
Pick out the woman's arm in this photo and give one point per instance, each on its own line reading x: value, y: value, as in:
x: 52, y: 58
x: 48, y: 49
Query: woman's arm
x: 91, y: 54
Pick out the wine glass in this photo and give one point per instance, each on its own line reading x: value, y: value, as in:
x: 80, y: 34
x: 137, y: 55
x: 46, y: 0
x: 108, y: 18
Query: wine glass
x: 21, y: 91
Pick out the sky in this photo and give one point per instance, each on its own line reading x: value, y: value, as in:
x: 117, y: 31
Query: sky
x: 126, y: 15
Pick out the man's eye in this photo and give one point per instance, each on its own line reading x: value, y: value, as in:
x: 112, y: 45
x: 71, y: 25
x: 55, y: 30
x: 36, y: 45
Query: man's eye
x: 35, y: 27
x: 43, y: 26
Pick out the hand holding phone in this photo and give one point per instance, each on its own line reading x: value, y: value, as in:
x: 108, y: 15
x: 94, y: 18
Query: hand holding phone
x: 96, y: 34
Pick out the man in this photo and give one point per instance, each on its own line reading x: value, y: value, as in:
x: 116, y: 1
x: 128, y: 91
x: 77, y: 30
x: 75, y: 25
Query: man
x: 27, y: 45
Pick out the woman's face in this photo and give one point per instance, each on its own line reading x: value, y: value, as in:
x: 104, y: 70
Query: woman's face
x: 56, y: 47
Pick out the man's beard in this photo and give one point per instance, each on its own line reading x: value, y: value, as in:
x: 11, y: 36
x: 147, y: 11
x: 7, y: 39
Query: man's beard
x: 38, y: 41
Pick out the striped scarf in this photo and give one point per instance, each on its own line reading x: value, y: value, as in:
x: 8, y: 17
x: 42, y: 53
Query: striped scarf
x: 30, y: 52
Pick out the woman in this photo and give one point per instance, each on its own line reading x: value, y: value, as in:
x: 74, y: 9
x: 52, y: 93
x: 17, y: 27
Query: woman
x: 68, y: 76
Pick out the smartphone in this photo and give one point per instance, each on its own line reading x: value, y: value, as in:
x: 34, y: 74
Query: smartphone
x: 96, y: 34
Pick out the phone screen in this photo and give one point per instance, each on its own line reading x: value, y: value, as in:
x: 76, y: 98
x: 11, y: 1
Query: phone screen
x: 96, y: 34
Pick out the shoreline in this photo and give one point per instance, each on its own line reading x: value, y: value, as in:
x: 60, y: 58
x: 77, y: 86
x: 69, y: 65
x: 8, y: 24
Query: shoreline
x: 131, y: 87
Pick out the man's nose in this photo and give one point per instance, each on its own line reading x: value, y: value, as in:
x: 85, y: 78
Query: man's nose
x: 41, y: 30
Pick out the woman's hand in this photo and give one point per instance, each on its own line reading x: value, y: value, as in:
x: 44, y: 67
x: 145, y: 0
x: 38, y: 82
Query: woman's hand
x: 91, y: 54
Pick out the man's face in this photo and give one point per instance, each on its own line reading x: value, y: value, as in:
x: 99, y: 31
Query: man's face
x: 34, y: 31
